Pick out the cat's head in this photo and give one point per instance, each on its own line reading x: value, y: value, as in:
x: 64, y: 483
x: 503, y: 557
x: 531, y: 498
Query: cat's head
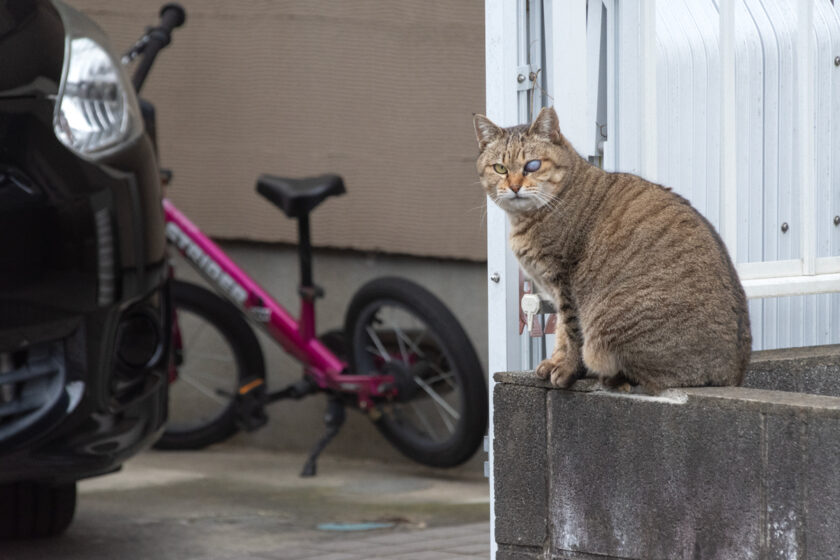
x: 522, y: 168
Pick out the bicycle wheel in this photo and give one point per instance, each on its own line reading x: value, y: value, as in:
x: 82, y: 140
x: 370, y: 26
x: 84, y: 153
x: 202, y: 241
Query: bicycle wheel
x: 218, y: 352
x: 396, y: 327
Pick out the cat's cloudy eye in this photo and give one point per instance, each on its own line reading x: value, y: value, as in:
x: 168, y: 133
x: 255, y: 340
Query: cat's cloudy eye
x: 533, y: 165
x: 499, y: 168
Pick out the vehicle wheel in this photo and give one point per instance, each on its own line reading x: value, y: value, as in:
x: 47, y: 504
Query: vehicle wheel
x: 35, y: 510
x: 396, y: 327
x: 218, y: 352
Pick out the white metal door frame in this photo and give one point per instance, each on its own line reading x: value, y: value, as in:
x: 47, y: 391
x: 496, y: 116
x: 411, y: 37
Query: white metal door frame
x: 504, y: 21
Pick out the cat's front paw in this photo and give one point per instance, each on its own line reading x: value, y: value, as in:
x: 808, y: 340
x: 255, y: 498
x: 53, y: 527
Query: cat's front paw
x: 559, y: 372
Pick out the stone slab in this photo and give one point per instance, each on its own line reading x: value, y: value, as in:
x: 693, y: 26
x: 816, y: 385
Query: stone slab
x: 822, y: 488
x: 635, y: 477
x: 814, y: 370
x: 520, y: 465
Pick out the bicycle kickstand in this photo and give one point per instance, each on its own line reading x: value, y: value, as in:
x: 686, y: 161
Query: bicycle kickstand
x: 334, y: 419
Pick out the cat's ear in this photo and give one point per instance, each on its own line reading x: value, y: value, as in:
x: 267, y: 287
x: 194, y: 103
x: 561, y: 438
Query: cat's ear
x: 546, y: 125
x: 485, y: 131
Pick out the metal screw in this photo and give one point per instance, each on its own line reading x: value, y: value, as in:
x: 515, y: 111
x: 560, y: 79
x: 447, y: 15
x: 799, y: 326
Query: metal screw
x: 837, y: 220
x: 520, y: 78
x: 532, y: 76
x: 837, y: 61
x: 495, y: 277
x: 785, y: 227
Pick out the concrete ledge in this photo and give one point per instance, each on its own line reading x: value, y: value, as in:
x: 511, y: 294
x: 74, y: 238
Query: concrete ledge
x: 729, y: 473
x: 814, y: 369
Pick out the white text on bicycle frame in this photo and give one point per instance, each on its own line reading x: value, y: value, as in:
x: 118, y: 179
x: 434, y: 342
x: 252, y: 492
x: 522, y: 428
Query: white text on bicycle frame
x: 205, y: 264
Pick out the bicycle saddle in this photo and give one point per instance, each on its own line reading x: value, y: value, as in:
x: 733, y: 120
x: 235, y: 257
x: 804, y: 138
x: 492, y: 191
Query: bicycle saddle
x: 297, y: 197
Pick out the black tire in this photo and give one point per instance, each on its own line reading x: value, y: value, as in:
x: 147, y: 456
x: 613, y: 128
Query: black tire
x: 196, y: 418
x: 436, y: 354
x: 32, y: 510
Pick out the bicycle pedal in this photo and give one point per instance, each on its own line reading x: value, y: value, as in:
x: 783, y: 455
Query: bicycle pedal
x: 250, y: 406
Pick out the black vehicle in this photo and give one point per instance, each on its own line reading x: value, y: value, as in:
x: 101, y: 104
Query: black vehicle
x: 83, y: 306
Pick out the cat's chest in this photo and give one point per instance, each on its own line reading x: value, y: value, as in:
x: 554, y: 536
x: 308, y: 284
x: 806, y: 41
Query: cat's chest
x: 531, y: 257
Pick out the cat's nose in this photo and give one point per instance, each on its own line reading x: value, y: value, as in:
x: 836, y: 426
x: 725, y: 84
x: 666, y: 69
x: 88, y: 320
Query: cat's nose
x: 515, y: 188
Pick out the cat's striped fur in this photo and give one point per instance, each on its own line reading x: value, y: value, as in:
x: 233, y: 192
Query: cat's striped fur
x: 641, y: 281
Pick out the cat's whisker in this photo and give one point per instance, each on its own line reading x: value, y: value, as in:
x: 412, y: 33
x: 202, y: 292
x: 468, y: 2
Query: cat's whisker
x: 553, y: 204
x: 483, y: 208
x: 552, y: 200
x: 483, y: 217
x: 547, y: 200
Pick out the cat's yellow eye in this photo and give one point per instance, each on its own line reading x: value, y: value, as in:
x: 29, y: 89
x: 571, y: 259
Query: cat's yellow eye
x: 500, y: 169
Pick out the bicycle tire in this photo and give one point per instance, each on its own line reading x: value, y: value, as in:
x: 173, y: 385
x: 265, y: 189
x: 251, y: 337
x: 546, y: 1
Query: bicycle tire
x: 454, y: 349
x: 246, y: 363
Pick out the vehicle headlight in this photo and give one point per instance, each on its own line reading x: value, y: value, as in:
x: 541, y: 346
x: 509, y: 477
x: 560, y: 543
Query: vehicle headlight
x: 96, y: 111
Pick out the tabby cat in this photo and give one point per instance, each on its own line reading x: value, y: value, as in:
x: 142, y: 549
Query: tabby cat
x: 642, y: 283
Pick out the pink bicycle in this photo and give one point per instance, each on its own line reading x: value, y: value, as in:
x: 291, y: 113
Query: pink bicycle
x: 402, y: 357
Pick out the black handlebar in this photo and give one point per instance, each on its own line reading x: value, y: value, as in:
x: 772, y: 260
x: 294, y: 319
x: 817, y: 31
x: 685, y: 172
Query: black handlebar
x: 171, y: 16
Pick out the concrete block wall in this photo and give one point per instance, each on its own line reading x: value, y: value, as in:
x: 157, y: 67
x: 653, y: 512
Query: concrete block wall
x: 731, y: 473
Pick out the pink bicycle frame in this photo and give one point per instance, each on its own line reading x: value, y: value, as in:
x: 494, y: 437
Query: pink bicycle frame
x: 296, y: 337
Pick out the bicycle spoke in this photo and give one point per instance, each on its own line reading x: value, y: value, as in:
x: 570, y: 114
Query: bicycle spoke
x: 446, y: 375
x: 400, y: 342
x: 443, y: 416
x: 402, y: 337
x: 442, y: 376
x: 425, y: 421
x: 421, y: 336
x: 442, y: 404
x: 208, y: 377
x: 412, y: 343
x: 195, y: 335
x: 202, y: 389
x: 379, y: 346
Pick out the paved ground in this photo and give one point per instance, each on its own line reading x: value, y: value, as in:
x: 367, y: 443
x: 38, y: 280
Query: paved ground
x: 233, y: 502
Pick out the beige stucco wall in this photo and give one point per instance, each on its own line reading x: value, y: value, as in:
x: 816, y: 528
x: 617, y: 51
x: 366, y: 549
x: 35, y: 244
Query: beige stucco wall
x: 381, y: 92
